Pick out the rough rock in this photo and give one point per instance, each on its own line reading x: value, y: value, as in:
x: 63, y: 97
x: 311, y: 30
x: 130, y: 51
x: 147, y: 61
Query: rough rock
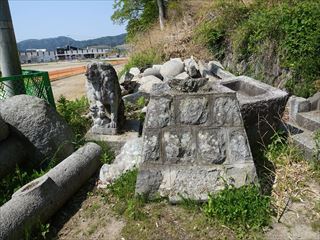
x: 193, y: 141
x: 133, y: 98
x: 218, y: 71
x: 182, y: 76
x: 134, y: 71
x: 46, y: 134
x: 130, y: 156
x: 128, y: 87
x: 171, y: 69
x: 147, y: 82
x: 152, y: 72
x: 315, y: 101
x: 216, y: 63
x: 157, y: 66
x: 4, y: 129
x: 127, y: 77
x: 192, y: 68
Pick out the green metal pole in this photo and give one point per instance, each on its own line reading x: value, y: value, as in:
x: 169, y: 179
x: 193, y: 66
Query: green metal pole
x: 9, y: 56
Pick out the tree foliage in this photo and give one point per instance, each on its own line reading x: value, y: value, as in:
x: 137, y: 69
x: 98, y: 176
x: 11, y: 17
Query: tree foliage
x: 138, y: 14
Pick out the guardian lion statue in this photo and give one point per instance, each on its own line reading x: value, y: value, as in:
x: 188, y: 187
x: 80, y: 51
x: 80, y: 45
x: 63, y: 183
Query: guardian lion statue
x: 104, y: 95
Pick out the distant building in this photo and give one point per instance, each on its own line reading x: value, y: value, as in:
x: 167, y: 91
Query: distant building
x: 62, y: 53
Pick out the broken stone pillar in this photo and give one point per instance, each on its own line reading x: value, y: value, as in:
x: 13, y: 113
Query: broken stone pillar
x: 194, y: 141
x: 37, y: 201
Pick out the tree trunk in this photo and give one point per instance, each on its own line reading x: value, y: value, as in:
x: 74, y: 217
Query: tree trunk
x: 161, y: 13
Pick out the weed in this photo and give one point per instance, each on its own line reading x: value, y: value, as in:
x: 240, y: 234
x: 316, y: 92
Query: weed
x: 74, y: 114
x: 14, y: 181
x: 241, y: 208
x: 125, y: 202
x: 142, y: 60
x: 107, y: 155
x: 290, y: 175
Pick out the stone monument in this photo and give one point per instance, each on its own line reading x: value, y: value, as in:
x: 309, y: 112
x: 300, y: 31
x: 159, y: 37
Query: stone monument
x: 104, y: 95
x: 194, y: 141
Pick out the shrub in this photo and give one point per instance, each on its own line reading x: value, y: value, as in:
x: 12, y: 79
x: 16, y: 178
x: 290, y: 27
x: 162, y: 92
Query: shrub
x: 74, y: 114
x: 288, y: 30
x: 142, y: 59
x: 241, y: 208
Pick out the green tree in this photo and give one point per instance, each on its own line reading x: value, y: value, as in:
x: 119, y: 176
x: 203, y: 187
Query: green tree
x: 138, y: 14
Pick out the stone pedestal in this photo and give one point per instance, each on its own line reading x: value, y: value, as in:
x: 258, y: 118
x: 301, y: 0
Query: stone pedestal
x: 116, y: 142
x: 194, y: 142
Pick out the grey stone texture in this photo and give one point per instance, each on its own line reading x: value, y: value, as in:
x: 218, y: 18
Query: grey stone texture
x: 12, y: 154
x: 315, y: 101
x: 134, y: 71
x: 145, y: 83
x: 4, y: 129
x: 171, y: 68
x: 129, y: 157
x: 189, y: 151
x: 152, y: 72
x: 104, y: 95
x: 37, y: 201
x: 261, y: 105
x: 192, y: 68
x: 304, y: 121
x: 43, y: 132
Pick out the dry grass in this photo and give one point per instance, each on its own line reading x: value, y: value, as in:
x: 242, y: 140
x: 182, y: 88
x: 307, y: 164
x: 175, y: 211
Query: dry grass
x: 176, y: 40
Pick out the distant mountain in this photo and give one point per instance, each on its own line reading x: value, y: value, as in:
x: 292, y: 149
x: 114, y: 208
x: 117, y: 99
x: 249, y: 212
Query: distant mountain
x: 52, y: 43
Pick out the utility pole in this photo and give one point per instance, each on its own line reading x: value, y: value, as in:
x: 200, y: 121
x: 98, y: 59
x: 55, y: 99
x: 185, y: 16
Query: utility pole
x: 9, y: 56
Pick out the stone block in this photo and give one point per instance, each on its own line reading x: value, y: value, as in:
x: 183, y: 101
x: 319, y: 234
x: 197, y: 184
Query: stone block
x: 179, y: 146
x: 193, y: 110
x: 238, y: 147
x: 151, y: 147
x: 226, y: 111
x: 212, y: 146
x: 193, y: 132
x: 159, y: 113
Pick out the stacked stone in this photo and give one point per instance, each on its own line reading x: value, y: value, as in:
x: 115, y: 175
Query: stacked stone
x: 194, y: 142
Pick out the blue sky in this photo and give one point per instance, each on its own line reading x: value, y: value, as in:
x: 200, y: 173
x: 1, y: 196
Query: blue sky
x: 78, y: 19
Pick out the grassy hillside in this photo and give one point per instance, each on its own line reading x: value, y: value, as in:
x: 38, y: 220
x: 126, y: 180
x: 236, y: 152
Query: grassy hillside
x: 275, y: 41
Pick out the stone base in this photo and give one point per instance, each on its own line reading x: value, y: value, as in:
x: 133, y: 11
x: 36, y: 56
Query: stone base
x: 103, y: 130
x: 194, y: 182
x: 116, y: 141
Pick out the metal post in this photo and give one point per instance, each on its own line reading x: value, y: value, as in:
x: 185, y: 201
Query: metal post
x: 9, y: 56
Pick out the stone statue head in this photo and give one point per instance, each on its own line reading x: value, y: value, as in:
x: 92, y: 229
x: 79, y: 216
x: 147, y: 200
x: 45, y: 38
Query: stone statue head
x: 97, y: 71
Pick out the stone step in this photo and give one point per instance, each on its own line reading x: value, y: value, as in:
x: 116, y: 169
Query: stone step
x: 309, y: 120
x: 304, y: 140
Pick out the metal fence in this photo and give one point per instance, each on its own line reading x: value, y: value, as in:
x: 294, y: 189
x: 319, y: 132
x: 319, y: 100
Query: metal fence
x: 36, y: 83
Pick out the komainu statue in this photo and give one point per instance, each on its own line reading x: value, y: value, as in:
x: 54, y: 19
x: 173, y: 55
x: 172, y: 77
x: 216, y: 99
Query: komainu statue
x: 104, y: 95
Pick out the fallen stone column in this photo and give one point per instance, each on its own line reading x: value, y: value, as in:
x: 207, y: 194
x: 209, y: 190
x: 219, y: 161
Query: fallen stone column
x: 37, y: 201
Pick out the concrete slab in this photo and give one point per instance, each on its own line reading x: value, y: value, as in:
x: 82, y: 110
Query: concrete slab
x: 117, y: 141
x: 309, y: 120
x: 305, y: 142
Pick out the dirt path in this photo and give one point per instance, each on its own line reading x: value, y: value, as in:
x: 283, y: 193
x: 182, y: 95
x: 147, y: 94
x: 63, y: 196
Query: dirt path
x: 72, y: 87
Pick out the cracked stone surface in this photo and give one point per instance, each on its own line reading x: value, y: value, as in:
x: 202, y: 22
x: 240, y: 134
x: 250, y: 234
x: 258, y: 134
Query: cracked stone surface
x: 193, y: 142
